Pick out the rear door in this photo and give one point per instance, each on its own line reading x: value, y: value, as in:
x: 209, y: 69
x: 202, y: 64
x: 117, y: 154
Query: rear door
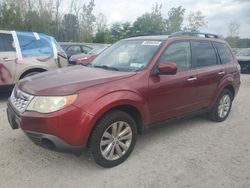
x: 209, y: 71
x: 226, y: 58
x: 7, y: 59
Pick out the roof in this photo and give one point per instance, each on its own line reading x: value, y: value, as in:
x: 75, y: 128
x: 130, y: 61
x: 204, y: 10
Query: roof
x: 151, y: 37
x: 180, y: 35
x: 6, y: 32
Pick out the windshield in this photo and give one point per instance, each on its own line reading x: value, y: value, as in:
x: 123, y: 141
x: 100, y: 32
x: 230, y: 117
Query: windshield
x: 128, y: 55
x: 97, y: 51
x: 245, y: 52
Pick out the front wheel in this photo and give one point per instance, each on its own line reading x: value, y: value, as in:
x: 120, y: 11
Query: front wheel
x: 113, y: 139
x: 222, y: 107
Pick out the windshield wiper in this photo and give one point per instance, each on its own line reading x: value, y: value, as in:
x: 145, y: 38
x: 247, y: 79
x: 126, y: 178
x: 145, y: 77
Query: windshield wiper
x: 106, y: 67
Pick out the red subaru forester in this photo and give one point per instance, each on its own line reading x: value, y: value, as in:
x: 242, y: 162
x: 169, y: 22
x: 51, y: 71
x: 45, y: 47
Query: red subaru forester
x: 136, y: 83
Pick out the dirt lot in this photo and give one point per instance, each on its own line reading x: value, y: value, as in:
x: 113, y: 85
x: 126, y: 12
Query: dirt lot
x: 189, y: 153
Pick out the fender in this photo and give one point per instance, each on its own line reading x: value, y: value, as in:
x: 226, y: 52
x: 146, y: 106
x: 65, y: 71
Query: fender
x: 30, y: 68
x: 110, y: 101
x: 227, y: 81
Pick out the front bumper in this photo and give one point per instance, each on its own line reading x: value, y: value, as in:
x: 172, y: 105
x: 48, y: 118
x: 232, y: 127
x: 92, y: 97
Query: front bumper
x: 52, y: 142
x: 63, y: 130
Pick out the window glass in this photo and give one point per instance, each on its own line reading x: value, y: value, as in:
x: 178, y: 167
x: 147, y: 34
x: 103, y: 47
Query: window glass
x: 30, y: 46
x: 203, y: 54
x: 86, y: 49
x: 6, y: 43
x: 179, y: 53
x: 128, y: 55
x: 224, y: 53
x: 74, y: 49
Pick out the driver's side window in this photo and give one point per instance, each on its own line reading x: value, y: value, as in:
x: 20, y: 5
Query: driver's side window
x: 179, y: 53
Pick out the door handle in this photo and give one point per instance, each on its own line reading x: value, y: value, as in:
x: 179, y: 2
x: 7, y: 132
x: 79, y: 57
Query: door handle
x: 191, y: 79
x: 7, y: 59
x: 221, y: 72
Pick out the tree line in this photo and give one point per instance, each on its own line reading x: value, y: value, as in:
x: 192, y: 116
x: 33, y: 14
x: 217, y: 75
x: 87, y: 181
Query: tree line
x: 78, y: 23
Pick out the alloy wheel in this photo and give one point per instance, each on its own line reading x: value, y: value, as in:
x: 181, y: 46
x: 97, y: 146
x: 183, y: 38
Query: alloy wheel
x: 116, y: 140
x: 224, y: 106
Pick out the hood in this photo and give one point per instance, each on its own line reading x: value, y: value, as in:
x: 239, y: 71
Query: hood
x: 79, y: 56
x: 69, y: 80
x: 243, y: 58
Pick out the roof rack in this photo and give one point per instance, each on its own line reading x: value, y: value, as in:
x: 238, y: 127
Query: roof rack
x: 197, y: 34
x: 138, y: 35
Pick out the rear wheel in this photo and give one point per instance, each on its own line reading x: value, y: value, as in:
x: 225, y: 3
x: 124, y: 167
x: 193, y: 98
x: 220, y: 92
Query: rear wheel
x: 113, y: 139
x: 222, y: 107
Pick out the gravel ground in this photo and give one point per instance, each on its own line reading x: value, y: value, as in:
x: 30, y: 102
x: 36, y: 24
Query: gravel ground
x: 190, y: 153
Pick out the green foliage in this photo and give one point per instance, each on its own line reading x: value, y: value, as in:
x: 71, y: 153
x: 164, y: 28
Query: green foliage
x: 80, y: 24
x: 150, y: 23
x: 87, y: 22
x: 233, y: 41
x: 175, y: 19
x: 10, y: 16
x: 70, y: 28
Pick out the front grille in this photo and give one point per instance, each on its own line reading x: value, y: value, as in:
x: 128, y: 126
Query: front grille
x: 20, y: 100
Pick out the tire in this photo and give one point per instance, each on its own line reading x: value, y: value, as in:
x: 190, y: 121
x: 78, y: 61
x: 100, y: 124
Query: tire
x: 106, y: 146
x: 221, y: 110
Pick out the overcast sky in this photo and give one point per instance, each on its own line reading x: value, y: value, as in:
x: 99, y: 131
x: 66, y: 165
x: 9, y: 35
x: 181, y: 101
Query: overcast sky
x: 219, y: 13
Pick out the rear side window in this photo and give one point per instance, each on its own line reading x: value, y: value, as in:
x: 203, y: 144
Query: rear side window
x: 179, y: 53
x: 74, y: 49
x: 203, y: 54
x: 224, y: 52
x: 6, y: 43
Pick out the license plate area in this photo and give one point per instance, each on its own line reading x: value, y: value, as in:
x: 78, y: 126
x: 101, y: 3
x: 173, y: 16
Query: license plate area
x: 13, y: 119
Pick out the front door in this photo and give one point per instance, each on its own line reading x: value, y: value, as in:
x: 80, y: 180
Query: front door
x: 7, y: 59
x: 173, y: 95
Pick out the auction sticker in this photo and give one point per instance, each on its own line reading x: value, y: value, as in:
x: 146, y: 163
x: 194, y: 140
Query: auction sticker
x: 151, y: 43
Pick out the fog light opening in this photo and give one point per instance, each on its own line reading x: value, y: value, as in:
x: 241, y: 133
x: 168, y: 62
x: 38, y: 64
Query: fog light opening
x: 48, y: 144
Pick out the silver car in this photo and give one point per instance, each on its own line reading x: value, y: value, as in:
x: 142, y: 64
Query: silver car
x: 243, y: 57
x: 24, y: 54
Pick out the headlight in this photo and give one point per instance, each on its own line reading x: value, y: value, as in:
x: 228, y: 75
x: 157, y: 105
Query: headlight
x: 50, y: 104
x: 82, y: 58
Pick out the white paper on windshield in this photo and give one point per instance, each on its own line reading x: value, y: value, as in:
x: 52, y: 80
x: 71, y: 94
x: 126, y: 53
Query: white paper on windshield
x: 137, y: 65
x: 151, y: 43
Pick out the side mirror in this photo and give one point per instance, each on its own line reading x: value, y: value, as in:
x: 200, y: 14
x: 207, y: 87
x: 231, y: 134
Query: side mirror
x: 167, y: 68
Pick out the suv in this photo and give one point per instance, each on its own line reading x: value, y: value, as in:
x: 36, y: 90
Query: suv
x: 136, y: 83
x: 24, y: 54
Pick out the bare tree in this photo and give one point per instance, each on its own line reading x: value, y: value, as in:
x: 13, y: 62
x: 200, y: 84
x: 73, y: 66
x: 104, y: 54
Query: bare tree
x: 101, y: 22
x: 233, y: 33
x: 57, y: 16
x: 196, y: 20
x: 234, y: 29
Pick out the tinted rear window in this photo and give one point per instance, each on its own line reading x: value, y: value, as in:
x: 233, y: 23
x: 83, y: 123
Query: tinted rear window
x: 203, y: 54
x: 224, y: 52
